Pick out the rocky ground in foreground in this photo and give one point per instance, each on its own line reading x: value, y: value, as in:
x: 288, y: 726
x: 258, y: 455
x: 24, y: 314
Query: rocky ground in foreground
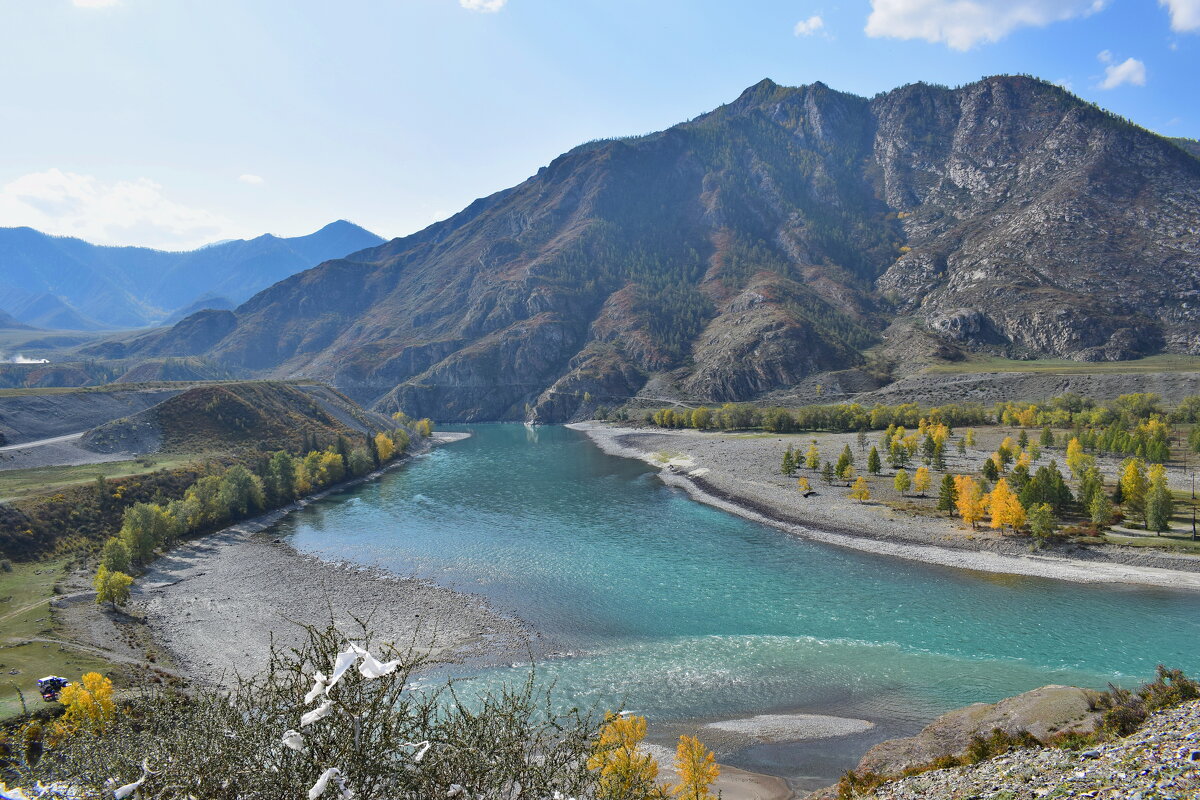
x: 1161, y: 761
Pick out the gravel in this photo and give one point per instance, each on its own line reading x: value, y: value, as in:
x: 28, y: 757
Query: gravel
x: 1161, y: 760
x: 740, y: 473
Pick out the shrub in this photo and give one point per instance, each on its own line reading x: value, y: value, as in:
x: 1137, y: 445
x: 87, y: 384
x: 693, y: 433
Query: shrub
x: 328, y: 715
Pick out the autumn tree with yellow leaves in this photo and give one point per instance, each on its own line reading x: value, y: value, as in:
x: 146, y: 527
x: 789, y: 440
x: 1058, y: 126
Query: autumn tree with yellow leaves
x: 697, y: 770
x: 626, y: 771
x: 969, y: 499
x: 861, y: 492
x: 922, y: 480
x: 88, y: 706
x: 1004, y: 506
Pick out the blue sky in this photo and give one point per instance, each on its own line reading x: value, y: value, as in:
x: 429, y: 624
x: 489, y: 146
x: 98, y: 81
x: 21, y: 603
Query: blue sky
x: 171, y: 123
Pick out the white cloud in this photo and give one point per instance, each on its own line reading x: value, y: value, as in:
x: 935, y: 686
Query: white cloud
x: 253, y: 180
x: 1185, y: 14
x: 120, y: 212
x: 1129, y: 71
x: 95, y: 3
x: 1104, y: 56
x: 807, y: 27
x: 962, y: 24
x: 482, y: 5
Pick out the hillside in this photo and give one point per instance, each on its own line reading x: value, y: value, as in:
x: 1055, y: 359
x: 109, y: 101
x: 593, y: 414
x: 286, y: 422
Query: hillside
x: 1158, y: 760
x: 780, y: 236
x: 68, y: 284
x: 247, y: 418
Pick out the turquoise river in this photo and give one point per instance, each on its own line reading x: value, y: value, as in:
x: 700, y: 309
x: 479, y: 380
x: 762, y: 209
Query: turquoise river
x: 681, y: 612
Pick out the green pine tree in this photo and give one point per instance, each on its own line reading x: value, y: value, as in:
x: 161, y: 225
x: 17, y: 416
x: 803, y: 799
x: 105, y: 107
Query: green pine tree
x: 873, y: 465
x: 947, y: 495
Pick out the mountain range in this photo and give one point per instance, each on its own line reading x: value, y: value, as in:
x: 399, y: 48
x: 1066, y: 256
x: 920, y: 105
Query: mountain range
x: 63, y: 283
x: 792, y: 232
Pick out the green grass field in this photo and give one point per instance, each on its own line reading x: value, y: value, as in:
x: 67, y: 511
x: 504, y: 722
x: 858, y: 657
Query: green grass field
x: 1159, y: 363
x: 19, y: 483
x: 25, y: 618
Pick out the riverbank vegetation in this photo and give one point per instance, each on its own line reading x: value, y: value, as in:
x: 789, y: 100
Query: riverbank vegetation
x: 218, y: 499
x: 337, y: 718
x: 1019, y: 487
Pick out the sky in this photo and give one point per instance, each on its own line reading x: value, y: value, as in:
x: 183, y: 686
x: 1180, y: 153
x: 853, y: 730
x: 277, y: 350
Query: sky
x: 175, y: 123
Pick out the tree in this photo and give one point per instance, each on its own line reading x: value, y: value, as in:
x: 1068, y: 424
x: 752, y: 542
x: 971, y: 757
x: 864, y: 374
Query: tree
x: 897, y: 454
x: 990, y: 470
x: 1047, y: 486
x: 360, y: 461
x: 970, y: 500
x: 846, y: 459
x: 803, y: 485
x: 111, y: 586
x: 1005, y: 507
x: 902, y: 481
x: 145, y: 527
x: 789, y: 465
x: 279, y: 482
x: 240, y: 492
x: 861, y: 492
x: 922, y: 480
x: 827, y: 472
x: 947, y: 495
x: 1042, y: 522
x: 1100, y: 510
x: 625, y: 769
x: 1075, y: 456
x: 939, y: 456
x: 1159, y: 503
x: 87, y: 705
x: 115, y: 555
x: 873, y: 465
x: 1090, y: 484
x: 423, y: 427
x: 1134, y: 486
x: 862, y: 439
x: 969, y: 437
x: 697, y: 770
x: 961, y: 446
x: 1047, y: 437
x: 812, y: 458
x: 1023, y: 439
x: 928, y: 448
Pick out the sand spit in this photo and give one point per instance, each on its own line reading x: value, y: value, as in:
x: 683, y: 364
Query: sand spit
x: 738, y: 474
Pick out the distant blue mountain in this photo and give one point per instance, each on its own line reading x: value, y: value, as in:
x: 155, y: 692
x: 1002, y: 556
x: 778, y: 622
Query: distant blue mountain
x: 69, y: 284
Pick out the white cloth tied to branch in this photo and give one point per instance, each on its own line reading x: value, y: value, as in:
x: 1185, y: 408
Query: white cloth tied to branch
x: 318, y: 688
x: 421, y: 749
x: 128, y: 789
x: 320, y: 712
x: 294, y: 740
x: 371, y: 667
x: 331, y: 774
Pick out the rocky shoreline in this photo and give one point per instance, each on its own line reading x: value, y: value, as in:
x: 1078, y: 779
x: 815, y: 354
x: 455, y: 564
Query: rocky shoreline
x: 739, y: 474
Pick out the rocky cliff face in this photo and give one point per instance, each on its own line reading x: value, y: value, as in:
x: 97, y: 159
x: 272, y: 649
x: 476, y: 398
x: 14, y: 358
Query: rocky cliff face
x: 739, y: 253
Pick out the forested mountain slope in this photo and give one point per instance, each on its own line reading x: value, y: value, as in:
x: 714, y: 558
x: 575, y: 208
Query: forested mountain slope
x: 732, y: 255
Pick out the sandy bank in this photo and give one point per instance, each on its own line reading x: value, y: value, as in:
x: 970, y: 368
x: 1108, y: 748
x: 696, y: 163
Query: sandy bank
x: 217, y: 603
x: 739, y: 474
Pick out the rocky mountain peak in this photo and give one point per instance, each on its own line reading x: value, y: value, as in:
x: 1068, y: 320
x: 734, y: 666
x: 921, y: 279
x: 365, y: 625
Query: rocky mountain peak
x: 773, y: 238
